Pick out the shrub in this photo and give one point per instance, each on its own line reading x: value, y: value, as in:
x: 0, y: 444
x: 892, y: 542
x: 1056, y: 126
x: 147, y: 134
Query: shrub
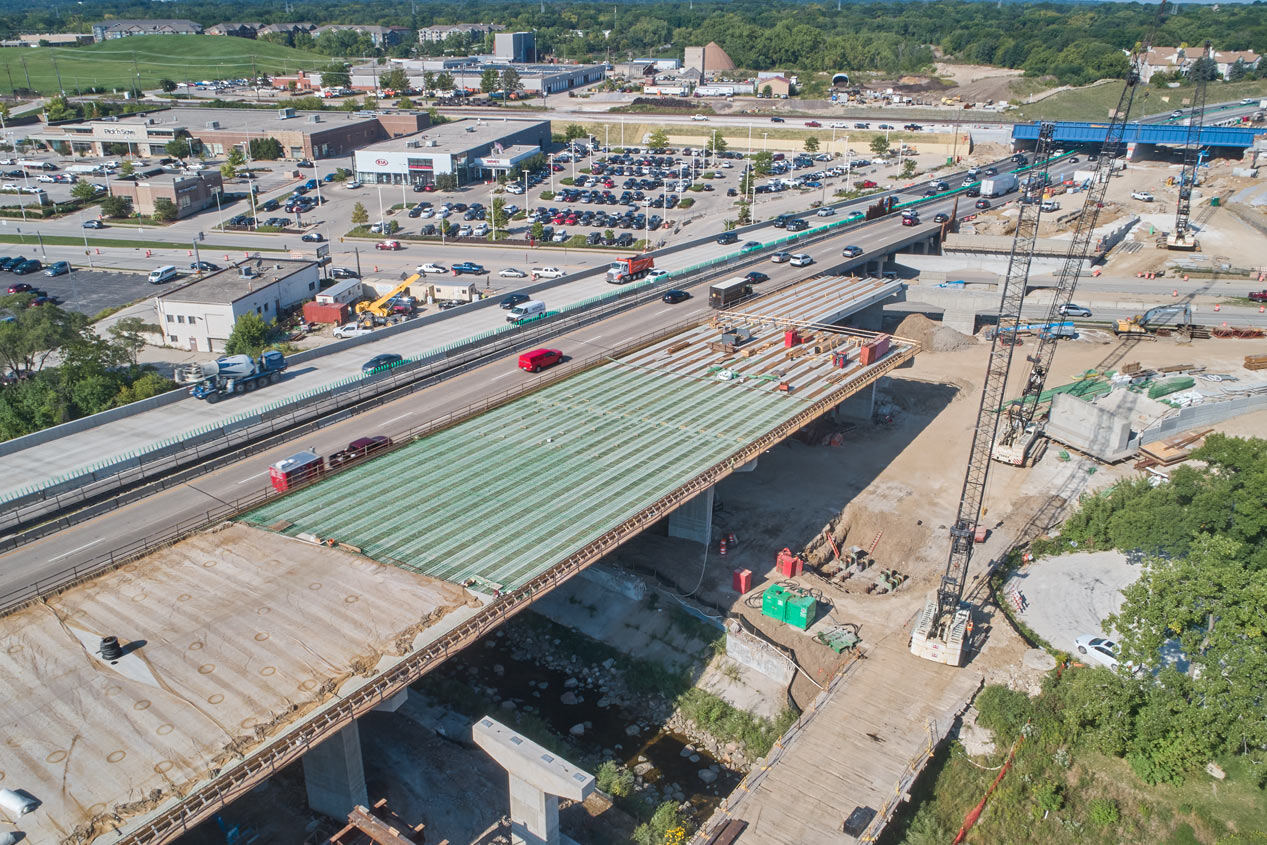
x: 614, y: 779
x: 1103, y: 812
x: 1003, y: 711
x: 665, y: 825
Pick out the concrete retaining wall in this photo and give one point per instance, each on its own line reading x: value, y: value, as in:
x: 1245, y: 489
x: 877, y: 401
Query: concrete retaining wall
x: 744, y: 648
x: 1095, y: 431
x: 1203, y: 415
x: 619, y: 582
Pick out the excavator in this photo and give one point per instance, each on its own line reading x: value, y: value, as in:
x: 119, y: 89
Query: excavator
x: 379, y: 307
x: 1177, y: 317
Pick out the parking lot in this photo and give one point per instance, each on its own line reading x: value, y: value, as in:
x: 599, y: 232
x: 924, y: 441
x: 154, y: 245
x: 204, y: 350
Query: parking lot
x: 87, y: 291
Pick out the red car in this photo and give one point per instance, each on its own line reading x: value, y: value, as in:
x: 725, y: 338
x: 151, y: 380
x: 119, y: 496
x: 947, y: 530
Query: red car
x: 538, y: 359
x: 813, y: 124
x: 388, y: 245
x: 910, y: 221
x: 1258, y: 296
x: 867, y: 183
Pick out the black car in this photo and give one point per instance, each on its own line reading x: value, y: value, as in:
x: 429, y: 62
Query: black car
x: 675, y: 296
x: 303, y: 163
x: 344, y: 273
x: 29, y: 266
x: 203, y: 266
x: 797, y: 225
x: 757, y: 277
x: 513, y: 299
x: 983, y: 203
x: 776, y: 120
x: 753, y: 245
x: 727, y: 238
x: 10, y: 263
x: 378, y: 362
x: 941, y: 217
x: 20, y: 287
x: 972, y: 192
x: 313, y: 237
x: 416, y: 211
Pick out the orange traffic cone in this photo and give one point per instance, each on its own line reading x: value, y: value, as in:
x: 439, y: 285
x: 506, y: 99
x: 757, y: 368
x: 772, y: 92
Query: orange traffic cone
x: 722, y: 547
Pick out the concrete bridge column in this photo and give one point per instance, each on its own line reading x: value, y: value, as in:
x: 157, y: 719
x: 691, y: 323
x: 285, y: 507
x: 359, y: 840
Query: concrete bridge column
x: 334, y: 775
x: 857, y: 408
x: 960, y: 320
x: 868, y: 319
x: 537, y: 780
x: 694, y: 520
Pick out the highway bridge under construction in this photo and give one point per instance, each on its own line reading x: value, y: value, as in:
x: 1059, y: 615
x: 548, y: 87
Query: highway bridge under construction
x: 249, y: 643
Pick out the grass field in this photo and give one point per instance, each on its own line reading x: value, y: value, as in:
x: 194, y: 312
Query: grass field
x: 1095, y: 102
x: 116, y: 64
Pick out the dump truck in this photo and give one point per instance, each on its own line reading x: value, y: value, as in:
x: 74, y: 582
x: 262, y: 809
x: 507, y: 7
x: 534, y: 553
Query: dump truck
x: 996, y: 186
x: 233, y: 374
x: 1177, y: 317
x: 624, y: 270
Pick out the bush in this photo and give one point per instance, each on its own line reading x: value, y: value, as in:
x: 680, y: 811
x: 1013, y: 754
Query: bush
x: 1048, y: 797
x: 1003, y: 711
x: 666, y: 825
x: 614, y: 779
x: 546, y: 196
x: 686, y: 202
x: 1103, y: 812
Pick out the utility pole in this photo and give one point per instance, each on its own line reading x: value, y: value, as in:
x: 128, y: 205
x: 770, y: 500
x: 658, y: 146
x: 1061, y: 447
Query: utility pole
x: 27, y: 71
x: 60, y: 87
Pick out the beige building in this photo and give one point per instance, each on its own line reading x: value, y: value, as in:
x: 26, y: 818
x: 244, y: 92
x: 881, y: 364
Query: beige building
x: 190, y: 194
x: 710, y: 58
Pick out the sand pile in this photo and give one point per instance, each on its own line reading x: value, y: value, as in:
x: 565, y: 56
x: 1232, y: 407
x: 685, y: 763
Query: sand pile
x: 932, y: 336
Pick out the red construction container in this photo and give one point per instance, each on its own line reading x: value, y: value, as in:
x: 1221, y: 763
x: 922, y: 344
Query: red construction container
x: 789, y: 565
x: 791, y: 338
x: 875, y: 350
x: 742, y: 580
x: 316, y: 312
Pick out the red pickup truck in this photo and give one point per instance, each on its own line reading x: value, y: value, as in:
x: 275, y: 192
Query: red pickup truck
x: 1258, y: 295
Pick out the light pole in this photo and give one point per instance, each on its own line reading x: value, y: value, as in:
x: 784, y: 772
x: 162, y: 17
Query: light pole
x: 382, y: 218
x: 749, y: 140
x: 765, y: 142
x: 87, y: 251
x: 219, y: 212
x: 250, y: 190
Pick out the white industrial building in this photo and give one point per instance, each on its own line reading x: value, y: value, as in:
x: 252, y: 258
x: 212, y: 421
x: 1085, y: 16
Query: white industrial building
x: 543, y: 79
x: 200, y: 315
x: 473, y: 150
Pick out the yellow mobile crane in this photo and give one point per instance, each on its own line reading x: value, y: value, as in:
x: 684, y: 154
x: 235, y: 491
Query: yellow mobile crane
x: 378, y: 306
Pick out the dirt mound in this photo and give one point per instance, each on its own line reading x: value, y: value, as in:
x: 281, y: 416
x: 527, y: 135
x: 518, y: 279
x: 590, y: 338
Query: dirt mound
x: 932, y: 336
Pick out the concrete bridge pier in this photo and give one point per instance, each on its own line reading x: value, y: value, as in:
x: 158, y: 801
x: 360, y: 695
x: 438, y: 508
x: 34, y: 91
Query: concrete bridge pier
x: 868, y: 319
x: 537, y: 780
x: 859, y: 407
x: 334, y: 775
x: 694, y: 520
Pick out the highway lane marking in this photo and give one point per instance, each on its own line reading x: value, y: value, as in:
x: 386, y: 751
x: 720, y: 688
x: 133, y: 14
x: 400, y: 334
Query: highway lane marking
x: 80, y: 549
x: 252, y: 477
x: 401, y: 417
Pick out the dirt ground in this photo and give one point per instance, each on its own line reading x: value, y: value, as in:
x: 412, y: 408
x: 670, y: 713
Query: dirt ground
x: 978, y: 83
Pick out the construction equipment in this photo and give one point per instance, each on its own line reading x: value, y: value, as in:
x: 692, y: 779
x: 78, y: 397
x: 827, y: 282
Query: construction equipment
x: 1177, y: 317
x: 841, y: 638
x: 233, y: 374
x: 379, y: 306
x: 1182, y: 237
x: 629, y: 269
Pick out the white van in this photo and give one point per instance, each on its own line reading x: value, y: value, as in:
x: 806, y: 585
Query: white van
x: 162, y: 274
x: 524, y: 310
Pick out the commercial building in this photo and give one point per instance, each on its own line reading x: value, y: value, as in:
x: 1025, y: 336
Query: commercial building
x: 190, y: 194
x: 443, y: 32
x: 515, y: 46
x: 779, y: 87
x: 110, y: 30
x: 312, y: 135
x: 710, y: 58
x: 50, y: 39
x: 200, y: 315
x: 473, y: 150
x: 543, y: 79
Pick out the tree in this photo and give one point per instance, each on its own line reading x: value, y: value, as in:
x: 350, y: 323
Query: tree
x: 404, y: 103
x: 811, y: 144
x: 428, y: 83
x: 1203, y: 69
x: 879, y: 145
x: 266, y: 149
x: 537, y: 231
x: 35, y: 335
x: 359, y: 215
x: 167, y: 85
x: 181, y: 147
x: 509, y: 81
x: 573, y: 131
x: 446, y: 182
x: 249, y: 336
x: 767, y: 91
x: 395, y: 80
x: 488, y: 80
x: 908, y: 168
x: 128, y: 333
x: 716, y: 142
x: 444, y: 82
x: 336, y: 76
x: 763, y: 163
x: 116, y: 207
x: 127, y: 168
x: 232, y: 162
x: 83, y: 190
x: 164, y: 210
x: 501, y: 220
x: 658, y: 139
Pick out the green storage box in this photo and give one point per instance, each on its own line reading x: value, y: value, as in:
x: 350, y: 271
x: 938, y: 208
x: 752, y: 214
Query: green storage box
x: 800, y: 611
x: 774, y: 602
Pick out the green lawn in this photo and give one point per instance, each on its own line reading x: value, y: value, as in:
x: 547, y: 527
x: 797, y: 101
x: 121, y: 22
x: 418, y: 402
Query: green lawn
x: 115, y: 64
x: 1096, y: 101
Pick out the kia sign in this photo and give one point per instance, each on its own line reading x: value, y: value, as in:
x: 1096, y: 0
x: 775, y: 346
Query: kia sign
x: 381, y: 162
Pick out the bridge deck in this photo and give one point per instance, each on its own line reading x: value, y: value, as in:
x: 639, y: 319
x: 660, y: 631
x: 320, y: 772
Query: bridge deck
x: 508, y: 494
x: 853, y: 752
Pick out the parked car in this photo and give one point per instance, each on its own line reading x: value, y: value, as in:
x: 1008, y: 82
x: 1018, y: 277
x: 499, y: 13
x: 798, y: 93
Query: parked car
x: 1099, y: 650
x: 468, y: 267
x: 303, y: 163
x: 430, y: 267
x: 511, y: 273
x: 312, y: 237
x: 355, y: 183
x: 675, y: 296
x: 1069, y: 309
x: 851, y: 251
x: 547, y: 273
x: 344, y: 273
x: 351, y: 330
x: 20, y: 287
x: 31, y: 265
x: 388, y: 245
x: 1142, y: 196
x: 57, y: 268
x: 378, y: 362
x: 203, y: 266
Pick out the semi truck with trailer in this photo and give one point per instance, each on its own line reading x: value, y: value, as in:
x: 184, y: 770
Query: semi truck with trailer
x: 624, y: 270
x: 233, y: 374
x: 996, y: 186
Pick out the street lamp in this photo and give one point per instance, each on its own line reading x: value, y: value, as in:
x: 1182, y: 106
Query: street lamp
x: 765, y: 141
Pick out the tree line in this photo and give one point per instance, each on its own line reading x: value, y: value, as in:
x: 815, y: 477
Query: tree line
x: 1076, y: 43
